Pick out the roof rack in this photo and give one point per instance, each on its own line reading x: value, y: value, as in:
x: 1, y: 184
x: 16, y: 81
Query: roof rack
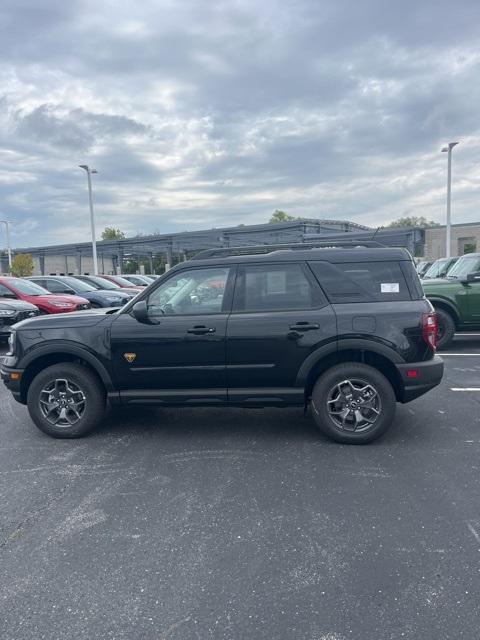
x: 224, y: 252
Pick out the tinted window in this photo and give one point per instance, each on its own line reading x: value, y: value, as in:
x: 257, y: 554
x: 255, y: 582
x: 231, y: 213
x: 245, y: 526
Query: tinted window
x: 196, y: 291
x: 273, y: 287
x: 361, y: 281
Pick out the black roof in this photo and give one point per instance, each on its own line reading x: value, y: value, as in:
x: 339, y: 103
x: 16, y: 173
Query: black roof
x: 335, y: 255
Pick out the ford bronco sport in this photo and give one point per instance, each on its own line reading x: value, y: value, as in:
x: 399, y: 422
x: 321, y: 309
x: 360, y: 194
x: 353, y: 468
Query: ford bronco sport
x: 456, y: 298
x: 346, y: 330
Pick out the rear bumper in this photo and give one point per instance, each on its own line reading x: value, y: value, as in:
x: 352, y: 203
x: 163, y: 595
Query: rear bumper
x: 428, y: 375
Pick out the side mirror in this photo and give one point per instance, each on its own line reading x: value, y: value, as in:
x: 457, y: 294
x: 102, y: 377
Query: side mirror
x: 140, y: 312
x: 471, y: 277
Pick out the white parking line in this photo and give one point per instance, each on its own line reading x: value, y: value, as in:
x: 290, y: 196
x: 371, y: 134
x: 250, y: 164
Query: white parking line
x: 464, y: 388
x: 473, y: 531
x: 458, y: 354
x: 476, y: 335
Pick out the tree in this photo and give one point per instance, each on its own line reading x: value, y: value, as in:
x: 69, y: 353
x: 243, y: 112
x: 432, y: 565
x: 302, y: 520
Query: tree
x: 281, y: 216
x: 22, y: 265
x: 112, y: 233
x: 412, y: 221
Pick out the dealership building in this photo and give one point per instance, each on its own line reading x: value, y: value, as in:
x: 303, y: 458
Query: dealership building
x: 76, y: 258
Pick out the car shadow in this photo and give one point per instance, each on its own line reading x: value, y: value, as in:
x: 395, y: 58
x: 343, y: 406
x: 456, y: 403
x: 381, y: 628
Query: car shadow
x: 287, y: 424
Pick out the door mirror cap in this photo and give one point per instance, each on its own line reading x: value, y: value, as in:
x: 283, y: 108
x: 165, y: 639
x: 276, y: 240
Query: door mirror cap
x: 472, y: 277
x: 140, y: 312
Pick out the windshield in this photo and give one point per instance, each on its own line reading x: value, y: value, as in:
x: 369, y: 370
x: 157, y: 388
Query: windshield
x: 121, y: 281
x: 464, y: 266
x: 26, y: 287
x: 437, y: 268
x: 78, y: 285
x: 100, y: 283
x: 138, y: 280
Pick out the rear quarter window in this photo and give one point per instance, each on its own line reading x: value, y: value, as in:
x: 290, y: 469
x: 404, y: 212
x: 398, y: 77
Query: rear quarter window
x: 362, y: 281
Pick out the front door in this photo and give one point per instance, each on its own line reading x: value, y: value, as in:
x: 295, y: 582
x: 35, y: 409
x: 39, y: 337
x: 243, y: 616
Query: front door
x: 279, y: 317
x: 473, y: 297
x: 180, y: 355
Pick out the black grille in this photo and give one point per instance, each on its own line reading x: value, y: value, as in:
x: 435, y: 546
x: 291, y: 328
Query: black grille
x: 82, y: 307
x: 22, y: 315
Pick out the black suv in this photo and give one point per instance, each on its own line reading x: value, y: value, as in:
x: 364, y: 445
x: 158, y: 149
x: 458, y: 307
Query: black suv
x: 346, y: 330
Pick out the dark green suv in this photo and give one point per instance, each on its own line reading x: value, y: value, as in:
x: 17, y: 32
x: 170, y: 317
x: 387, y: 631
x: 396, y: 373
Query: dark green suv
x: 456, y: 298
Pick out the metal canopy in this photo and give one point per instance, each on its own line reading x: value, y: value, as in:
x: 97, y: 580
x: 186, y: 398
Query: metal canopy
x: 191, y: 241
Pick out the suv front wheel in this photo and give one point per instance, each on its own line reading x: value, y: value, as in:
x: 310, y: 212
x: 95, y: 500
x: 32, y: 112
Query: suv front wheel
x: 353, y: 403
x: 66, y: 400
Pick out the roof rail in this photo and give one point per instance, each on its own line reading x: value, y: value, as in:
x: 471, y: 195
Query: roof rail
x: 270, y: 248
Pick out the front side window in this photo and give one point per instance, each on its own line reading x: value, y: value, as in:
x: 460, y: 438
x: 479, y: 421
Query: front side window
x: 274, y: 287
x: 54, y: 286
x: 196, y: 291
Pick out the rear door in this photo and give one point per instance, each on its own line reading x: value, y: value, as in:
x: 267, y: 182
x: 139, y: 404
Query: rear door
x: 279, y: 317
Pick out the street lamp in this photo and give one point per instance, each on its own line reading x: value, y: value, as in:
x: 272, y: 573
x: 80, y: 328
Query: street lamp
x: 7, y: 233
x: 92, y: 219
x: 448, y: 150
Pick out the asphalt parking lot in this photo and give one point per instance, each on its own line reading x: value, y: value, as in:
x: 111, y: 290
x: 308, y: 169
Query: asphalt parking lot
x: 245, y: 524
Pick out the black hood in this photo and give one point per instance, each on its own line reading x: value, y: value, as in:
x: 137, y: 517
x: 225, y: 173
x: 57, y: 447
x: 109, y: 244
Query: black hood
x: 65, y: 320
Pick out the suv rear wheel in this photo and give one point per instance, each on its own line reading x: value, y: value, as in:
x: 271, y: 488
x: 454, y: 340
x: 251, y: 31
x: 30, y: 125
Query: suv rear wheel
x: 353, y: 403
x: 66, y: 400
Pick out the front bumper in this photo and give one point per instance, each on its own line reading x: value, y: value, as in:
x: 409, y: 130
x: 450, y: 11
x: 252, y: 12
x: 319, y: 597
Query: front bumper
x: 419, y: 377
x: 12, y: 380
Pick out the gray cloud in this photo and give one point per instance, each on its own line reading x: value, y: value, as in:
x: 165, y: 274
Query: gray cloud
x: 208, y: 114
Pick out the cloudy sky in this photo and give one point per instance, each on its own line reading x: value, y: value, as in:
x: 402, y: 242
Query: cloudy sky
x: 203, y: 113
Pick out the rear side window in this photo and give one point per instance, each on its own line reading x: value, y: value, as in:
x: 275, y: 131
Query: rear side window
x: 362, y: 281
x: 276, y: 287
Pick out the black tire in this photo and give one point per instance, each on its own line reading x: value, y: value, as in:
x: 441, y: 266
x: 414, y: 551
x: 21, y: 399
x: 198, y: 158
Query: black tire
x: 87, y: 402
x: 95, y: 305
x: 375, y: 405
x: 446, y: 328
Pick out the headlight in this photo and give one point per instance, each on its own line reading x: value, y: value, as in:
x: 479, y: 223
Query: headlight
x: 63, y: 305
x: 11, y: 343
x: 113, y: 299
x: 7, y: 312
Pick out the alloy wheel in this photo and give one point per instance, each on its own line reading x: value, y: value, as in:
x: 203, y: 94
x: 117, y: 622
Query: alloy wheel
x: 354, y: 405
x: 62, y: 403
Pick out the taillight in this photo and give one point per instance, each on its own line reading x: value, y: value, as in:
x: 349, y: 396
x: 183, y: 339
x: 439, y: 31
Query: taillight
x: 429, y: 329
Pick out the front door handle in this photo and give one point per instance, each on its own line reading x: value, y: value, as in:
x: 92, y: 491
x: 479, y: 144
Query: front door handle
x: 201, y: 329
x: 304, y: 326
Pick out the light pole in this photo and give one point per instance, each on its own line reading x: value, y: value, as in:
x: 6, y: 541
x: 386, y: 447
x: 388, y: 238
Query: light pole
x: 92, y: 218
x: 448, y: 150
x: 7, y: 233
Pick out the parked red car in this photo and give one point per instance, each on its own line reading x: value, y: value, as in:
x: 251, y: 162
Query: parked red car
x: 16, y: 288
x: 122, y: 283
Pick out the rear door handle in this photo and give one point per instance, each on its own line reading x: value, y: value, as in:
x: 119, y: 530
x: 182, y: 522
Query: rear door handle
x: 304, y: 326
x: 200, y: 330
